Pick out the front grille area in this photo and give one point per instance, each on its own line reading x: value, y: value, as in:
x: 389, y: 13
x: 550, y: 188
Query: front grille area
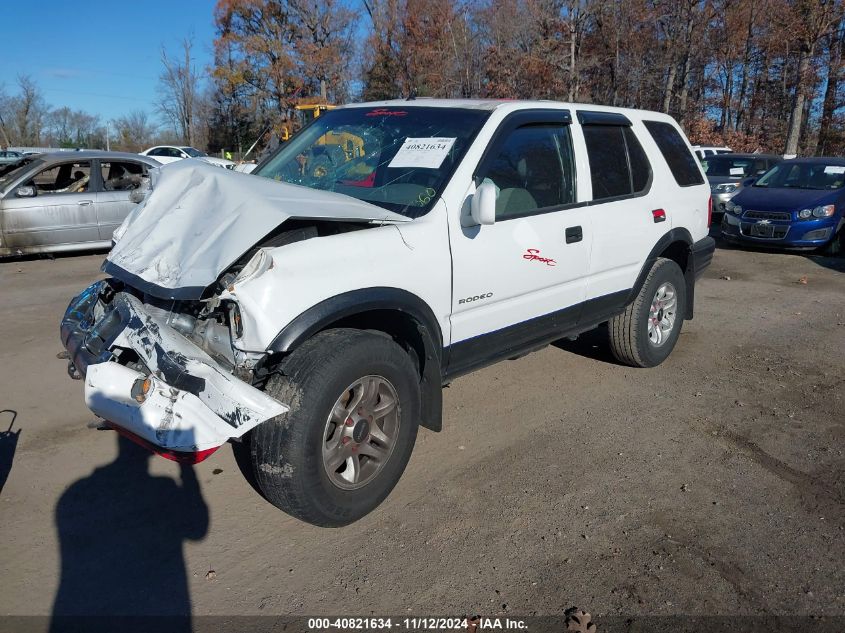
x: 767, y: 215
x: 779, y: 231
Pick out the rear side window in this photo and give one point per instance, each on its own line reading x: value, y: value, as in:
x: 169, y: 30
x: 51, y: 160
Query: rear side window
x: 618, y: 164
x: 675, y: 151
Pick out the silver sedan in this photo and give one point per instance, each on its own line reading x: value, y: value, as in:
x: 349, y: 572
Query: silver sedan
x: 68, y: 200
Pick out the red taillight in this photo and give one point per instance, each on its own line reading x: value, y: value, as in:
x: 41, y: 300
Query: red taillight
x: 183, y: 457
x: 709, y: 210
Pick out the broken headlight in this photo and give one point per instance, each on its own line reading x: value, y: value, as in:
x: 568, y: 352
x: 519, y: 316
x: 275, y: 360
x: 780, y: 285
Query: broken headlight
x: 261, y: 262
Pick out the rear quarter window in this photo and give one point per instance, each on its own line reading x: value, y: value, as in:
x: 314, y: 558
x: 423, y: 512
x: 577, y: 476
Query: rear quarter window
x: 674, y: 149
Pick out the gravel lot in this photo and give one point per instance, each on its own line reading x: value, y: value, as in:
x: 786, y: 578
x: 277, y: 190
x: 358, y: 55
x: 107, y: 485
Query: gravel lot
x: 713, y: 484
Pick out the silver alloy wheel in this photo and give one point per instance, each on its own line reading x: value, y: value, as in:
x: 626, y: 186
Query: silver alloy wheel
x: 662, y: 314
x: 361, y: 432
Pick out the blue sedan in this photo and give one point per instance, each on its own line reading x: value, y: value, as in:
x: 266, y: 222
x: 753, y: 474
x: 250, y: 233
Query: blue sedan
x: 798, y: 204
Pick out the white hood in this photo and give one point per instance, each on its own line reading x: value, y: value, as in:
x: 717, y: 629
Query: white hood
x: 199, y: 219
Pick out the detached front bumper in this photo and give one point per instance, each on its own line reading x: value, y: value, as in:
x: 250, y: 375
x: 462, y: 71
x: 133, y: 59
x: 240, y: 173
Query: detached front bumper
x: 191, y: 404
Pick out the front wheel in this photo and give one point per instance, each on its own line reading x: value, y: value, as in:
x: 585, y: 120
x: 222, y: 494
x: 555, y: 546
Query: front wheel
x: 646, y: 332
x: 354, y: 409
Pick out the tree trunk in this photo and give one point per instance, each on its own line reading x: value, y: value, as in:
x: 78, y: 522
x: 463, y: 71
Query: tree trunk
x: 746, y: 61
x: 796, y: 117
x: 670, y: 87
x: 834, y: 73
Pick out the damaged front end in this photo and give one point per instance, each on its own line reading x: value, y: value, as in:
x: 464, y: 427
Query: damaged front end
x: 163, y: 372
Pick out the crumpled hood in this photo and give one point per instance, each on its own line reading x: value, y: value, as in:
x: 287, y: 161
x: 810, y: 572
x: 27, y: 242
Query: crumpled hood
x: 199, y: 219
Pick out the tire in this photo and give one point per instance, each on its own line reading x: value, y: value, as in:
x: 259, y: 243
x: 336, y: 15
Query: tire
x: 835, y: 246
x: 632, y: 341
x: 294, y: 456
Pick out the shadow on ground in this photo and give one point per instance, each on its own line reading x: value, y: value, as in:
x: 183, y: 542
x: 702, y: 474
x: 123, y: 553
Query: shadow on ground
x: 121, y: 532
x: 593, y: 344
x: 8, y: 446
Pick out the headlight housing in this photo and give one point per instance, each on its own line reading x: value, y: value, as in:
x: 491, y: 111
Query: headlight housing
x: 725, y: 187
x: 260, y: 263
x: 731, y: 207
x: 822, y: 211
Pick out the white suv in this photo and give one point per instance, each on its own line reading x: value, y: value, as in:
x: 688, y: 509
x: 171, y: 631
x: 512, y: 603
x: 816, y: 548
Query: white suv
x: 312, y: 314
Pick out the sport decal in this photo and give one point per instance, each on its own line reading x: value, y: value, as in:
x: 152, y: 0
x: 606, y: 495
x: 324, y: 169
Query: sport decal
x: 533, y: 255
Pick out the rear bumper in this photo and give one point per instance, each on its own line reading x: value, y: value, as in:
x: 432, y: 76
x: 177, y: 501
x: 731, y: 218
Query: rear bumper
x: 193, y: 404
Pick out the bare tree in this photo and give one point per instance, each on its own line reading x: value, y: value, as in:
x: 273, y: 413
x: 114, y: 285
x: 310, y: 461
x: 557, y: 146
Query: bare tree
x: 135, y: 131
x: 5, y: 108
x: 814, y: 19
x: 178, y: 88
x: 27, y: 111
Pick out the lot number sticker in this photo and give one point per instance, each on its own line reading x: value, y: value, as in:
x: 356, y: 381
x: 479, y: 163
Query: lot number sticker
x: 834, y: 169
x: 737, y: 171
x: 426, y: 153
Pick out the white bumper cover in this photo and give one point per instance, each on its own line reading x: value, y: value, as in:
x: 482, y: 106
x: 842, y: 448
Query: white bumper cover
x: 193, y: 403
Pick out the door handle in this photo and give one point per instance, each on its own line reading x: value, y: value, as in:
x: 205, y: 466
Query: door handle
x: 85, y: 203
x: 574, y: 234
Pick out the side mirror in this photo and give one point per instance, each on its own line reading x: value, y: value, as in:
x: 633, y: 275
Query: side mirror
x: 26, y: 191
x: 748, y: 182
x: 483, y: 204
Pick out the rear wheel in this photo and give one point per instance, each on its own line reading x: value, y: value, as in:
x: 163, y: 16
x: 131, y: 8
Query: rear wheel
x: 343, y: 446
x: 646, y: 332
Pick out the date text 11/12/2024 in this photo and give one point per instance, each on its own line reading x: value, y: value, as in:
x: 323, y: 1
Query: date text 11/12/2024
x: 471, y: 625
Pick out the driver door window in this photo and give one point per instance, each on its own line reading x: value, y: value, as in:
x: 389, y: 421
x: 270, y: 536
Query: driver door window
x: 63, y: 178
x: 533, y: 170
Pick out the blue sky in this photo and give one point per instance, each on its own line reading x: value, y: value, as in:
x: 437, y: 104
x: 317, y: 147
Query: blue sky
x: 100, y: 56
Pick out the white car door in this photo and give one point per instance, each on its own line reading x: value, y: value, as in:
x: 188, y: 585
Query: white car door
x: 523, y: 278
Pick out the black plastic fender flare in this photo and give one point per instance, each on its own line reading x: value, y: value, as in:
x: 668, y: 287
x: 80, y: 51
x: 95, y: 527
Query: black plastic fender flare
x: 674, y: 235
x: 348, y: 304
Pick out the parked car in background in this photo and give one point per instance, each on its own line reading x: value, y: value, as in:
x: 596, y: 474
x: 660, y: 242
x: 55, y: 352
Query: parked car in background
x: 67, y: 201
x: 726, y: 173
x: 246, y: 168
x: 797, y: 204
x: 9, y: 156
x: 703, y: 151
x: 170, y: 153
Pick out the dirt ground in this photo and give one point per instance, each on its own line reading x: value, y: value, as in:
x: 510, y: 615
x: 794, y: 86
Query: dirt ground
x: 713, y: 484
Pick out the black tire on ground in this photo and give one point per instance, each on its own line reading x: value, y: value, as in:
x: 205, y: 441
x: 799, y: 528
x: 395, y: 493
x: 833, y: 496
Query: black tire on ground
x: 286, y: 451
x: 836, y: 245
x: 628, y: 332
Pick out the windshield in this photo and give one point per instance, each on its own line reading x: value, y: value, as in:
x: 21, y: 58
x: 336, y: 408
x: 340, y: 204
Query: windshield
x: 9, y: 173
x: 193, y: 153
x: 804, y: 176
x: 731, y: 166
x: 398, y: 158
